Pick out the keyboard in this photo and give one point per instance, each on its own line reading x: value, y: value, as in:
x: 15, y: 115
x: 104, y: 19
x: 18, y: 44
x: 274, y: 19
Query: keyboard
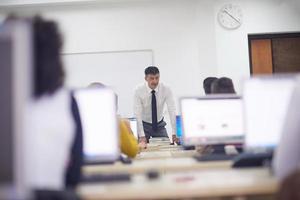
x: 253, y: 160
x: 97, y: 178
x: 215, y: 157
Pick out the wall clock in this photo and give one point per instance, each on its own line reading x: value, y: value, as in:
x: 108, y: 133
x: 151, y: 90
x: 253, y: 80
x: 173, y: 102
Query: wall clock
x: 230, y: 16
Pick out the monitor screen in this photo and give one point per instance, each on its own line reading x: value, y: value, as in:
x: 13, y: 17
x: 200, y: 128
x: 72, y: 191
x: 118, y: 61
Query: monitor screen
x: 212, y: 120
x: 97, y: 108
x: 133, y: 126
x: 178, y: 126
x: 266, y: 100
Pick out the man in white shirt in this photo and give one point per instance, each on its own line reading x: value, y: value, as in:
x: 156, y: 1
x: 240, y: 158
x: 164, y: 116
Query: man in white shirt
x: 149, y: 101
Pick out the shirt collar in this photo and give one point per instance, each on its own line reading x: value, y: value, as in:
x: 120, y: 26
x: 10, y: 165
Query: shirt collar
x: 149, y: 90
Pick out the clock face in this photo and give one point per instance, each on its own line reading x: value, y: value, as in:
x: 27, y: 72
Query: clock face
x: 230, y: 16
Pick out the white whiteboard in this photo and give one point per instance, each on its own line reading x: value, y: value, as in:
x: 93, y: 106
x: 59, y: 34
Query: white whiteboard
x: 121, y: 70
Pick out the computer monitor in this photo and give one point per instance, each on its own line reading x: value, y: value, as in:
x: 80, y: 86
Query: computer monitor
x: 97, y: 108
x: 212, y: 120
x: 133, y: 126
x: 6, y: 114
x: 15, y: 87
x: 266, y: 100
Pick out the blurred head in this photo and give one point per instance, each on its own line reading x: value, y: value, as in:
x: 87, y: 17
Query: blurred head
x: 222, y: 85
x: 96, y: 85
x: 48, y: 70
x: 152, y: 76
x: 207, y: 84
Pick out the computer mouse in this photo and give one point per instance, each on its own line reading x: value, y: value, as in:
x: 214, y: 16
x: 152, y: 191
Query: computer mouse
x: 125, y: 159
x: 152, y: 174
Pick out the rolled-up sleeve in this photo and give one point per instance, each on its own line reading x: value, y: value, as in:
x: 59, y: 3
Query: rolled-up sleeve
x: 171, y: 109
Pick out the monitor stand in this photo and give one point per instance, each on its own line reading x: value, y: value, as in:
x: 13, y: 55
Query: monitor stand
x: 253, y: 160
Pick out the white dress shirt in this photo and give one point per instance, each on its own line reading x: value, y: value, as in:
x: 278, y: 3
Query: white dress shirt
x: 142, y: 105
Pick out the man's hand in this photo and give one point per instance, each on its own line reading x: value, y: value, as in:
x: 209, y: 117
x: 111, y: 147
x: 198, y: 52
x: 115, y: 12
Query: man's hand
x: 143, y: 142
x: 175, y: 139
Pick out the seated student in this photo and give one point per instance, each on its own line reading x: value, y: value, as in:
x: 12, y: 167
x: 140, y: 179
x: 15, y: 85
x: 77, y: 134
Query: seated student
x: 53, y: 124
x: 289, y: 187
x: 222, y: 85
x: 287, y: 155
x: 128, y: 143
x: 207, y: 84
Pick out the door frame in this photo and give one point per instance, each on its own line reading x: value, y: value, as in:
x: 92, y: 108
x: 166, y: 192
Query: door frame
x: 258, y: 36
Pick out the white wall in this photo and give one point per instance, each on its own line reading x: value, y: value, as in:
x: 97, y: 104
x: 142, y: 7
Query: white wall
x: 180, y: 33
x: 187, y: 41
x: 260, y: 16
x: 85, y: 68
x: 170, y: 28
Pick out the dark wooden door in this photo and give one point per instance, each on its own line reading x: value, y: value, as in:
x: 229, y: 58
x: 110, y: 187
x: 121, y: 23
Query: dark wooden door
x: 261, y: 56
x: 286, y: 54
x: 274, y: 53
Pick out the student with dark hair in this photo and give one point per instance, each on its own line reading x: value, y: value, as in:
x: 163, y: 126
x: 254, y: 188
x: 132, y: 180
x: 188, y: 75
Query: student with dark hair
x: 222, y: 85
x: 54, y: 124
x: 207, y: 84
x: 149, y: 101
x: 48, y: 70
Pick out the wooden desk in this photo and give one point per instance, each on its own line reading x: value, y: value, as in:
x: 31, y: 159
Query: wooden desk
x: 163, y: 149
x: 159, y: 156
x: 160, y: 165
x: 168, y: 153
x: 214, y: 183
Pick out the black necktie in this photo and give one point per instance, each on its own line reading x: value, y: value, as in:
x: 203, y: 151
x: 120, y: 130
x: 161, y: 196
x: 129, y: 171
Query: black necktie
x: 154, y: 111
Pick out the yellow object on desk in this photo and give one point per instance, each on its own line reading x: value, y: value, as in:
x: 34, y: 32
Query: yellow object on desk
x: 128, y: 142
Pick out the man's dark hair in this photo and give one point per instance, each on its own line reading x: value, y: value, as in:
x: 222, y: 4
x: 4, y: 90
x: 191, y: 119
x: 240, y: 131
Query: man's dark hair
x: 151, y: 70
x: 48, y: 70
x: 222, y: 85
x: 207, y: 84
